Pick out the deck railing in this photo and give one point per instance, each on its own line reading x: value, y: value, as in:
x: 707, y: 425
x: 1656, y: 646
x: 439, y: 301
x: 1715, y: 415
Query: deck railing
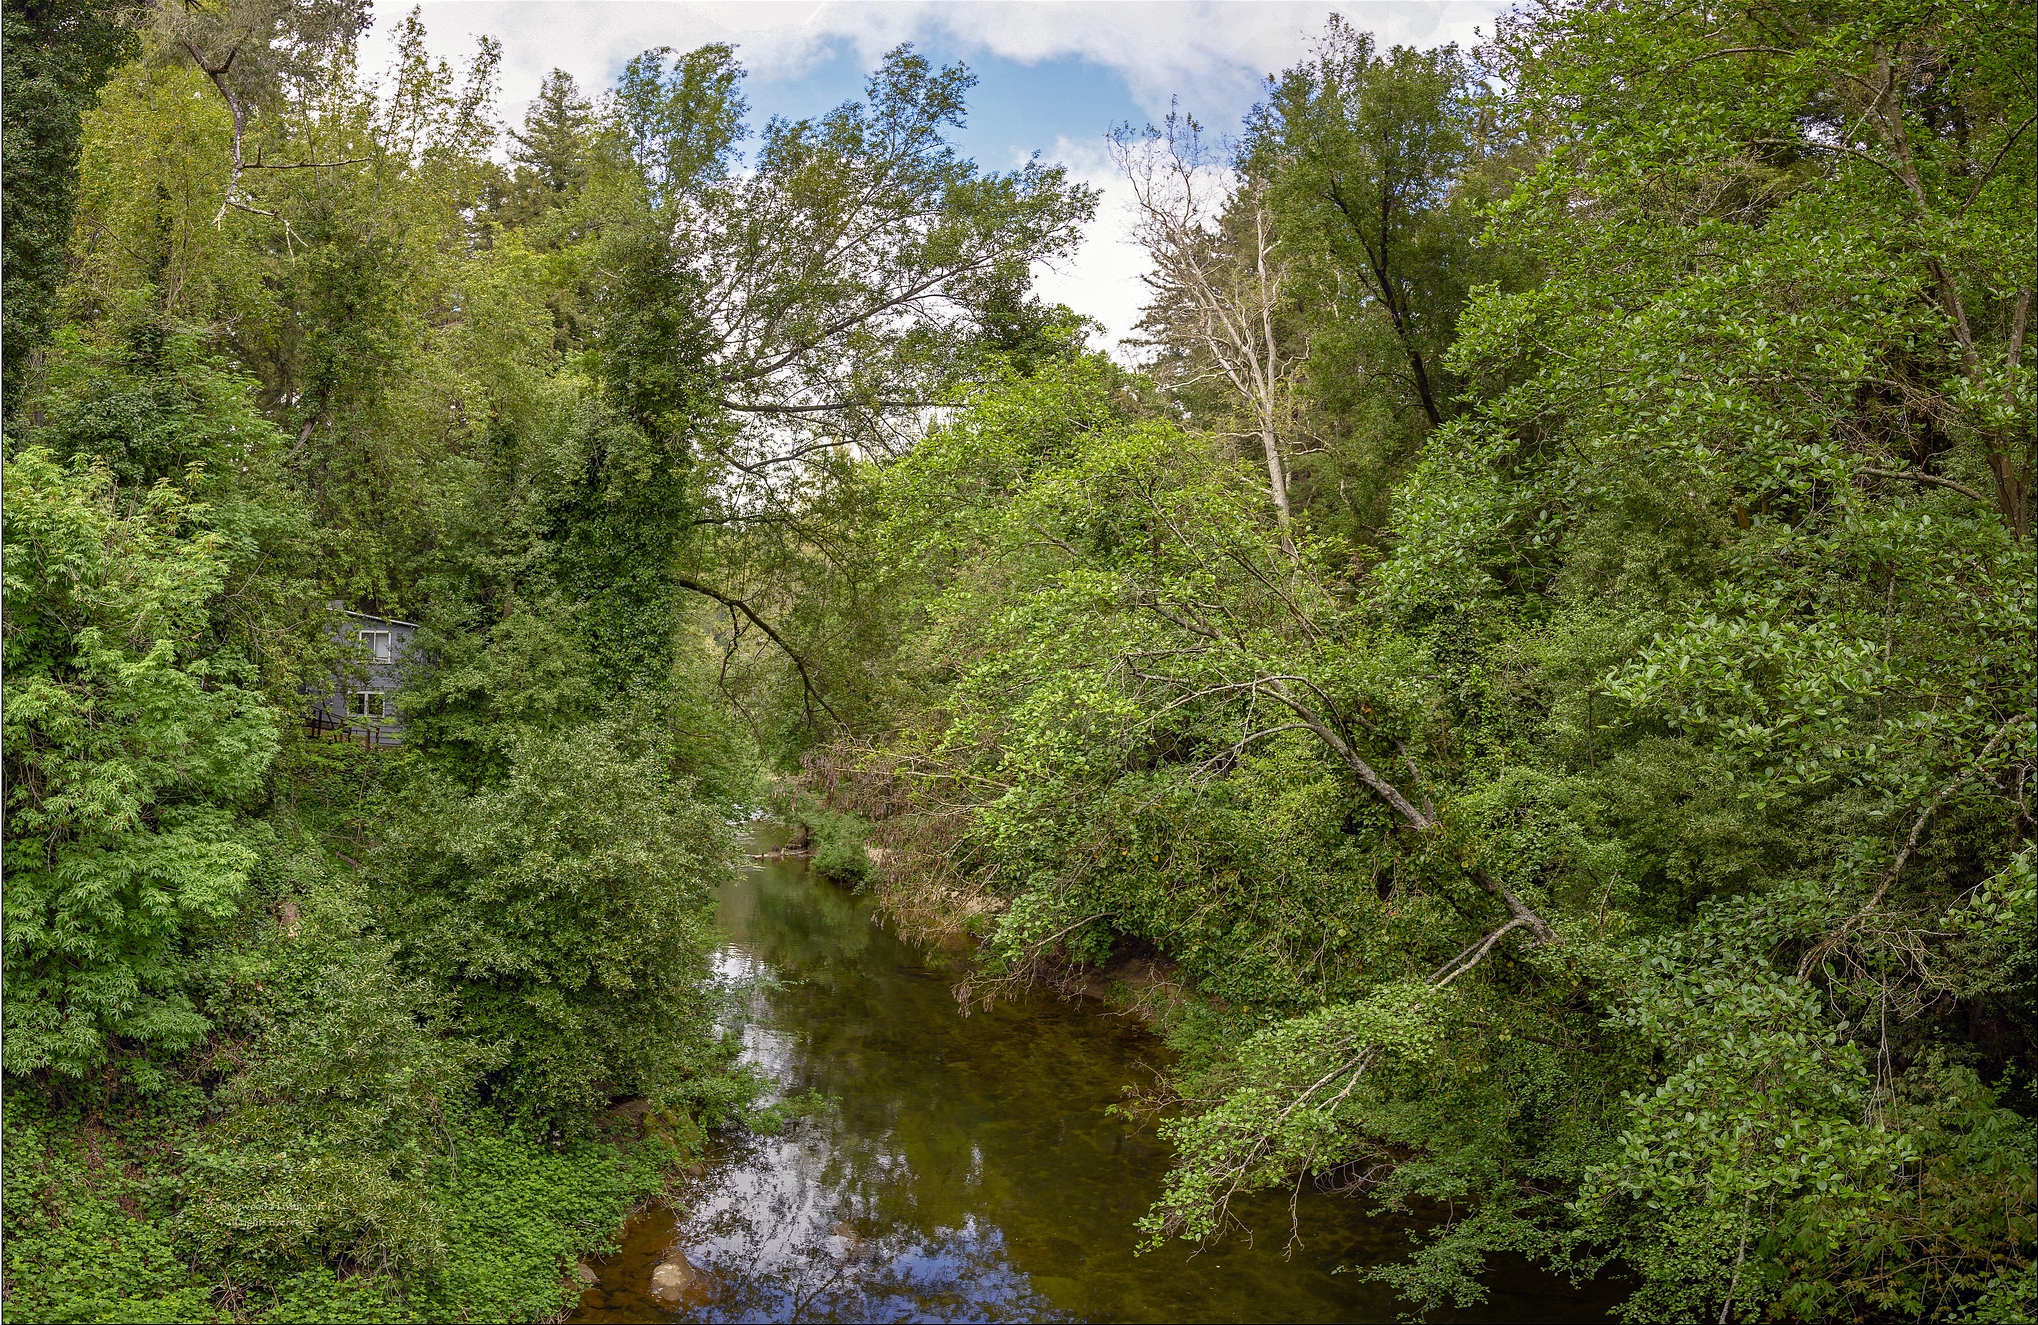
x: 322, y: 725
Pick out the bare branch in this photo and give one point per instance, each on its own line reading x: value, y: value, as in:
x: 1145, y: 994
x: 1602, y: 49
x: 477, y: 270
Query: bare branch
x: 1919, y: 476
x: 1816, y: 955
x: 1473, y: 955
x: 1989, y: 173
x: 232, y: 201
x: 799, y: 664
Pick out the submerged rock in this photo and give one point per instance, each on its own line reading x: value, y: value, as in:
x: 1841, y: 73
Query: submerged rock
x: 673, y: 1277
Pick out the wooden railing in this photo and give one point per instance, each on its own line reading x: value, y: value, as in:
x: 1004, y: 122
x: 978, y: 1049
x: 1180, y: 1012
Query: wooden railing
x: 321, y: 725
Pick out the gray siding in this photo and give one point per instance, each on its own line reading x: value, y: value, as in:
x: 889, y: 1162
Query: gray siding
x: 366, y: 675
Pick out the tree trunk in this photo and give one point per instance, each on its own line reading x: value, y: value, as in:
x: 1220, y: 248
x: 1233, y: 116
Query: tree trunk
x: 1277, y: 478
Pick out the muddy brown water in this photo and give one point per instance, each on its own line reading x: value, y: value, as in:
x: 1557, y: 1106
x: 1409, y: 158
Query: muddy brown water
x: 969, y: 1169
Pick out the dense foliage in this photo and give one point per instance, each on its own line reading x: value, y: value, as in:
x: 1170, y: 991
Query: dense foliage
x: 1536, y: 666
x: 1589, y: 803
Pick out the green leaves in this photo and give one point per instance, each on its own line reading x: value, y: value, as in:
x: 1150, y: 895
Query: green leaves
x: 1698, y: 631
x: 565, y: 909
x: 1788, y: 694
x: 129, y: 755
x: 682, y: 127
x: 1298, y: 1098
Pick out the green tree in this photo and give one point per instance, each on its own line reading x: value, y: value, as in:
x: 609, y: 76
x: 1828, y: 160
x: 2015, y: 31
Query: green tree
x: 566, y: 910
x: 748, y: 325
x: 1369, y: 155
x: 1380, y: 167
x: 1627, y: 807
x: 131, y: 755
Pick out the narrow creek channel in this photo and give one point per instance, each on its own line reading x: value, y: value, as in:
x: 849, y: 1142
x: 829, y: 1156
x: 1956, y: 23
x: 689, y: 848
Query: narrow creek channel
x: 970, y: 1170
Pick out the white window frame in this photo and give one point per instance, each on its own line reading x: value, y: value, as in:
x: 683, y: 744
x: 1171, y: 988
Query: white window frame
x: 379, y: 644
x: 376, y: 711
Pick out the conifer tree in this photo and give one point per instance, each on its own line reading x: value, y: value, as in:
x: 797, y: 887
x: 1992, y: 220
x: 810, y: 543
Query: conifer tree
x: 554, y: 141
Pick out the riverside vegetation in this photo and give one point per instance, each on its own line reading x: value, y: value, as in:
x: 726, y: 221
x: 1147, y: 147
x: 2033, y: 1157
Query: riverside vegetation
x: 1538, y: 666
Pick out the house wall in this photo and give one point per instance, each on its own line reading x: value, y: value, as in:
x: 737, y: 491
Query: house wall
x: 362, y: 673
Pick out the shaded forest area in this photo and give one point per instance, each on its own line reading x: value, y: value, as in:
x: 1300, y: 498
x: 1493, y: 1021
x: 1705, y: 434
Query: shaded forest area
x: 1529, y: 687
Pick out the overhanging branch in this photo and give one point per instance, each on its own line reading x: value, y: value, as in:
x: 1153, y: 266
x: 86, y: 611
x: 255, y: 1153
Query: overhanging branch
x: 1919, y: 476
x: 799, y: 664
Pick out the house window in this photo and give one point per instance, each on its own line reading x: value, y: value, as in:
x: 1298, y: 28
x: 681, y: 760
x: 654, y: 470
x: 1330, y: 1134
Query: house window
x: 378, y: 643
x: 366, y: 704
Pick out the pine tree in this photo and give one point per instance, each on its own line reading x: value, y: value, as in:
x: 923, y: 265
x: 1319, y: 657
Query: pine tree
x: 554, y: 141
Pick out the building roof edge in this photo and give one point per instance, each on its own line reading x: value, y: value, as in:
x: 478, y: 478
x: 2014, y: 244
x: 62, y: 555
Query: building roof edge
x: 370, y: 616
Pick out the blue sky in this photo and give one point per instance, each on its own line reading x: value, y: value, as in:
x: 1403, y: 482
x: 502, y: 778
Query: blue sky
x: 1015, y: 109
x: 1053, y: 75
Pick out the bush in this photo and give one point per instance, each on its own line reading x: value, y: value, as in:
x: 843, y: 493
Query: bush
x: 130, y: 747
x: 837, y: 841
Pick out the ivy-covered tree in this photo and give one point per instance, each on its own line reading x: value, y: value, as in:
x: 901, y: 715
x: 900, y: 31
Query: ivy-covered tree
x: 56, y: 55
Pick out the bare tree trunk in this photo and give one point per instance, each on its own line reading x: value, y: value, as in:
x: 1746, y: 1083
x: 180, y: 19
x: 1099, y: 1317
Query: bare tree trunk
x: 1277, y: 479
x: 1270, y: 373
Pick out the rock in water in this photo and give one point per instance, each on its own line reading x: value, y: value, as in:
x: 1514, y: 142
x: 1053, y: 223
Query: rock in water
x: 585, y: 1273
x: 674, y: 1275
x: 842, y: 1241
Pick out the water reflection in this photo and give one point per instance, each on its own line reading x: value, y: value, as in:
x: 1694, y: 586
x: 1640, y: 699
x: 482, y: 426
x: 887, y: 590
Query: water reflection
x: 968, y: 1169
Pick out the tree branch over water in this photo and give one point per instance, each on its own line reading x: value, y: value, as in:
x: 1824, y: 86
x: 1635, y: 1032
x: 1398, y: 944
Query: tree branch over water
x: 799, y: 663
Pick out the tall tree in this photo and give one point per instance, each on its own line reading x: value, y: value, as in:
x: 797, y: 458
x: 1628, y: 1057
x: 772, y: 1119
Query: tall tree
x: 1367, y: 152
x: 1220, y: 277
x: 554, y: 142
x: 750, y: 323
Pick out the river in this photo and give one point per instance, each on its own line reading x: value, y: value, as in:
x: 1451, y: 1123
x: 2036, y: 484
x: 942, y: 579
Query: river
x: 969, y: 1169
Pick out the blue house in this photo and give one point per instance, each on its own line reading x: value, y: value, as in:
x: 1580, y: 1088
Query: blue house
x: 362, y: 704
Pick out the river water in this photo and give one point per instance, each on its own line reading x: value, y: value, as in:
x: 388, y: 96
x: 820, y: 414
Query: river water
x: 968, y: 1169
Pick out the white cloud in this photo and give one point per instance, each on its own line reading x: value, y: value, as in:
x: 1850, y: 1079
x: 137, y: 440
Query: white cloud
x: 1164, y: 47
x: 1102, y: 278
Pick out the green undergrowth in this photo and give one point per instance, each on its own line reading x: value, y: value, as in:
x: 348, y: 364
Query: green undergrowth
x: 112, y: 1217
x: 837, y: 841
x: 370, y: 1130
